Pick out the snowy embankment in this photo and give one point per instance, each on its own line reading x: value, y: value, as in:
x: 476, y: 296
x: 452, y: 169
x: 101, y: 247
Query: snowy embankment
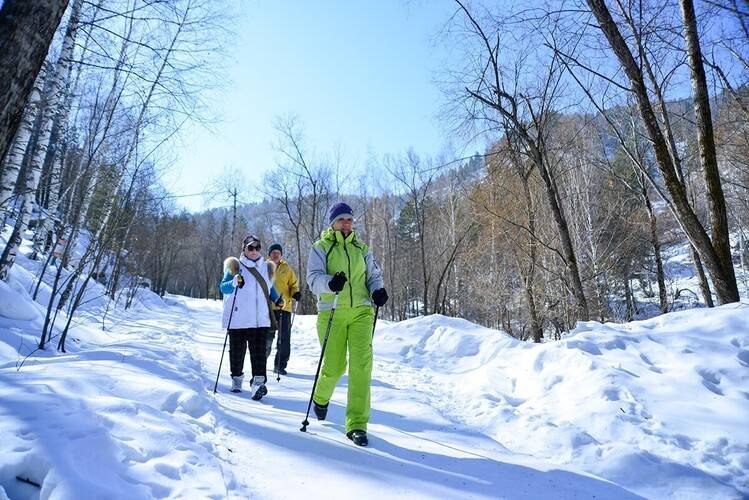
x: 655, y: 408
x: 658, y: 406
x: 117, y: 416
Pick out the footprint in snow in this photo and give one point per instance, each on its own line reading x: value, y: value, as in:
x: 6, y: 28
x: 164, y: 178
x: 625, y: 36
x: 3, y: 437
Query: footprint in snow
x: 616, y: 343
x: 743, y: 357
x: 538, y: 364
x: 683, y: 442
x: 133, y: 455
x: 653, y: 339
x: 611, y: 394
x: 584, y: 346
x: 711, y: 381
x: 168, y: 471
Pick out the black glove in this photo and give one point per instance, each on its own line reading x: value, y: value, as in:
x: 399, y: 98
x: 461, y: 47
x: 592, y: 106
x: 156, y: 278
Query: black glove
x: 297, y: 296
x: 279, y: 302
x: 240, y: 281
x: 336, y: 284
x: 380, y: 297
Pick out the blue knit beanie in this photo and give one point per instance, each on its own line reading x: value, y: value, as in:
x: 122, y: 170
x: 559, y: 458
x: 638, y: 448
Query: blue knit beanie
x: 338, y: 211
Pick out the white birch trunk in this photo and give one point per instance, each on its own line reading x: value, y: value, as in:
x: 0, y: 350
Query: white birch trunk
x: 20, y: 143
x: 59, y: 110
x: 11, y: 248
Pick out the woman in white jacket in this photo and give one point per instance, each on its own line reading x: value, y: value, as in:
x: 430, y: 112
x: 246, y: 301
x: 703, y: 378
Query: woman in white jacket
x: 244, y: 286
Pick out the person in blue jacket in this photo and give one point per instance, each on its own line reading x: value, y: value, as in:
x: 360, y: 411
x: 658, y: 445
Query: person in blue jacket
x: 248, y: 313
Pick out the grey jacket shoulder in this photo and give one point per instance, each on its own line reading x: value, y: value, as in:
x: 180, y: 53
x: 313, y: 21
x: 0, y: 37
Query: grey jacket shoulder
x: 317, y: 277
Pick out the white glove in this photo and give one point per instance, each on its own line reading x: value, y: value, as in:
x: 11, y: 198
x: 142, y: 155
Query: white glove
x: 235, y: 281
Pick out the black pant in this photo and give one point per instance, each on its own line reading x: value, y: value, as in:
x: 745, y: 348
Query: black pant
x: 269, y: 343
x: 240, y: 340
x: 283, y: 346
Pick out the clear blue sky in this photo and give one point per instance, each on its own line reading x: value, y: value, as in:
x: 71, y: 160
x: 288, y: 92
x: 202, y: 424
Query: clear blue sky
x: 357, y: 73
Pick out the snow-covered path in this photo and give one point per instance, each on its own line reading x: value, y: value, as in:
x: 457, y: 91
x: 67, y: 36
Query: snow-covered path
x: 414, y: 452
x: 657, y: 408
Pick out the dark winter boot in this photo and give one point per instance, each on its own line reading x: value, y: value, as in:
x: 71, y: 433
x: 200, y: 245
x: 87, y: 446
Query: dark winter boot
x: 258, y: 387
x: 321, y: 411
x: 358, y: 437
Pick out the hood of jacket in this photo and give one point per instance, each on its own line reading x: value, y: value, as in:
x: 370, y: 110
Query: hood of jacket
x: 332, y: 236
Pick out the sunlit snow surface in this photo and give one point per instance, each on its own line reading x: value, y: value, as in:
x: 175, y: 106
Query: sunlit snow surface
x: 656, y: 408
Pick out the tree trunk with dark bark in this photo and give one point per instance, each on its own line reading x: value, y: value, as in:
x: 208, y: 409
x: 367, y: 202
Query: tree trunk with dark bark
x: 26, y: 31
x: 568, y: 250
x: 706, y: 145
x: 724, y: 277
x: 707, y: 296
x: 530, y: 277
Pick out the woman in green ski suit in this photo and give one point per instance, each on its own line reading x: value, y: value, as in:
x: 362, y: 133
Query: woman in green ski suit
x: 340, y: 262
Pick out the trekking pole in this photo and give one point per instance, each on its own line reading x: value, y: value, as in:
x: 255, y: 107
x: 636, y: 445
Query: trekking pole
x: 377, y: 312
x: 278, y: 342
x: 231, y: 313
x: 305, y: 422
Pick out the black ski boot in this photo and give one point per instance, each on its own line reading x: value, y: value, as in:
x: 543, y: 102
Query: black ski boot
x: 358, y: 437
x: 258, y: 387
x: 321, y: 411
x: 259, y: 393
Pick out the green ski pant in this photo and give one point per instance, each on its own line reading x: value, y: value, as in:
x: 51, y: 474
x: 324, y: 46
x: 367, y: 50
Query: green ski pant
x: 350, y: 333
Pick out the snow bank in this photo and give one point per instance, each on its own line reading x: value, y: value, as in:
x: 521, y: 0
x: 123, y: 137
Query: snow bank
x: 449, y: 345
x: 123, y: 414
x: 15, y: 303
x: 129, y: 418
x: 658, y: 406
x: 145, y: 299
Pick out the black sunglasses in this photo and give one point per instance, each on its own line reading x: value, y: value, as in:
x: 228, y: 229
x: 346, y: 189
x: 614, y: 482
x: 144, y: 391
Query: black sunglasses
x: 253, y: 247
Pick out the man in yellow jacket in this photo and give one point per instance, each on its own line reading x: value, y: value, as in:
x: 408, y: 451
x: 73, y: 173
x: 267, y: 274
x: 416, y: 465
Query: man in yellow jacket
x: 287, y: 285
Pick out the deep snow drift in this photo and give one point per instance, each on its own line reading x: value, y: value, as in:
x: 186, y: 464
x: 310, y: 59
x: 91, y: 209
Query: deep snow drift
x: 655, y: 408
x: 658, y: 406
